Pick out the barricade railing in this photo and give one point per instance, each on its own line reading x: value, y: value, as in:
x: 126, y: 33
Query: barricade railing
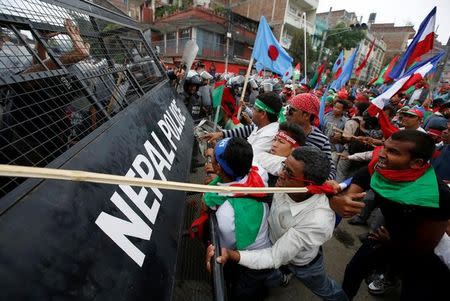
x: 218, y: 279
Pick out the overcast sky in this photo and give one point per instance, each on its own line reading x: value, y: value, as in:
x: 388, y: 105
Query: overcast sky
x: 398, y: 11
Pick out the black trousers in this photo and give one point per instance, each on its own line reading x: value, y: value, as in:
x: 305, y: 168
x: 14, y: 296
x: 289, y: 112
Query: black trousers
x: 423, y: 277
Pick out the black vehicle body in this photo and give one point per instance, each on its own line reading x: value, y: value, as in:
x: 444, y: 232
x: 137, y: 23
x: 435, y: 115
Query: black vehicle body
x: 64, y: 240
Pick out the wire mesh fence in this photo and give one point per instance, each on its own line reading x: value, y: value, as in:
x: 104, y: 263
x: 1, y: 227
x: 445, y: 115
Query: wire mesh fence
x: 63, y: 73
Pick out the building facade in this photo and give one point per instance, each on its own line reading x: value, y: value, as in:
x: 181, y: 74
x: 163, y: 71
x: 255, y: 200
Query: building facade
x: 208, y: 27
x: 338, y: 16
x: 375, y: 62
x: 395, y: 37
x: 284, y: 16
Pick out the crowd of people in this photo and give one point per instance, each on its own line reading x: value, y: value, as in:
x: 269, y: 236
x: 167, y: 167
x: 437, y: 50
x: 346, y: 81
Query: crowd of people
x: 393, y: 166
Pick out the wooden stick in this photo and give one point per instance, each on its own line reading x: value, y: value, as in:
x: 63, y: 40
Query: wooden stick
x: 247, y: 75
x: 92, y: 177
x: 354, y: 137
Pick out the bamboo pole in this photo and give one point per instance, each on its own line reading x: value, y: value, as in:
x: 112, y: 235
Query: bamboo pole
x: 92, y: 177
x: 247, y: 76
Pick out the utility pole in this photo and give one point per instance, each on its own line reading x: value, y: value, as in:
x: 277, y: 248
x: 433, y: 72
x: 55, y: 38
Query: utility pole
x: 304, y: 43
x: 228, y: 36
x: 324, y: 38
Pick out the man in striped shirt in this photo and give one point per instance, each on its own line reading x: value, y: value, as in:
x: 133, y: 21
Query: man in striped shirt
x: 265, y: 124
x: 304, y: 110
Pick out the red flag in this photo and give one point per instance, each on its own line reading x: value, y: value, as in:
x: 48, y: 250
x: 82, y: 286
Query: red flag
x: 372, y: 81
x: 363, y: 64
x: 389, y: 69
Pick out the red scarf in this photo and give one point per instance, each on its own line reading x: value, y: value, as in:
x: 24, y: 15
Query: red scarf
x: 319, y: 189
x: 404, y: 175
x: 253, y: 179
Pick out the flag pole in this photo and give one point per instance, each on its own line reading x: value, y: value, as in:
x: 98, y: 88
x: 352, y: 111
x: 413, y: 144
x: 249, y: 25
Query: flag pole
x: 247, y: 76
x: 304, y: 42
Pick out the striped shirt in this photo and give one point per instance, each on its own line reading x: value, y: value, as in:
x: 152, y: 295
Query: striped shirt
x: 242, y: 132
x: 318, y: 139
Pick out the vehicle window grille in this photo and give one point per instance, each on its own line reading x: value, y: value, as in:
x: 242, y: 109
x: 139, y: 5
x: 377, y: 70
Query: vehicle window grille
x: 64, y: 71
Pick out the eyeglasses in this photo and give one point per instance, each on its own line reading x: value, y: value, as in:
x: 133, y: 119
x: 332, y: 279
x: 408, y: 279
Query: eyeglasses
x: 291, y: 110
x: 289, y: 173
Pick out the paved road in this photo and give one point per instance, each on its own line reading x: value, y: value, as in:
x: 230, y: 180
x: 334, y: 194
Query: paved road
x: 337, y: 252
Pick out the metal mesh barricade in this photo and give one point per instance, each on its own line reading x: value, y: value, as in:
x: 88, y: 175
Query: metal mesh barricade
x: 63, y: 73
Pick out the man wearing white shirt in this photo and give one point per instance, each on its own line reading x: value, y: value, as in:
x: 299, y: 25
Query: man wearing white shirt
x: 299, y: 225
x: 265, y: 118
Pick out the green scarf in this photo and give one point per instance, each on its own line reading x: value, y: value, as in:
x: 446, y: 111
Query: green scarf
x: 248, y: 215
x: 282, y: 115
x: 422, y: 192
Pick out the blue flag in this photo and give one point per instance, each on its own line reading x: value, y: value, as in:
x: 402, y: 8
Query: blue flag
x: 268, y: 52
x: 322, y: 107
x: 339, y: 62
x: 346, y: 72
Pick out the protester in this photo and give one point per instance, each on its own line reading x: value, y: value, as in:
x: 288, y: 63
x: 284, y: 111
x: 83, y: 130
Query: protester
x: 416, y: 208
x: 304, y: 110
x: 354, y: 127
x: 310, y: 223
x: 440, y: 117
x: 289, y: 137
x: 261, y: 133
x: 335, y: 121
x: 242, y: 219
x: 411, y: 120
x: 441, y: 160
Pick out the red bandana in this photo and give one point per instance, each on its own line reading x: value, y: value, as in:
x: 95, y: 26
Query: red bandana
x: 405, y: 175
x: 307, y: 102
x: 284, y: 136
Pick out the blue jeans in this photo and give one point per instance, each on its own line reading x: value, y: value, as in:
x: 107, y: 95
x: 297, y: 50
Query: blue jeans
x: 314, y: 277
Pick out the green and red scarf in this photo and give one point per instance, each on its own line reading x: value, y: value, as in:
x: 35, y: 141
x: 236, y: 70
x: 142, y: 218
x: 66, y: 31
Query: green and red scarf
x: 248, y: 212
x: 418, y: 187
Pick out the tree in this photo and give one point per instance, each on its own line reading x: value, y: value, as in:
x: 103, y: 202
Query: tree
x: 338, y: 37
x: 296, y: 50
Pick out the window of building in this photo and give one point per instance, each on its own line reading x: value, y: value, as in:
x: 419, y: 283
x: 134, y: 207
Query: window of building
x: 292, y: 9
x: 239, y: 49
x: 171, y: 35
x: 185, y: 33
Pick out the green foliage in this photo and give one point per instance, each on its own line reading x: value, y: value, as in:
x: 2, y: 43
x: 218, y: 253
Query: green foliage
x: 347, y: 39
x: 219, y: 9
x: 297, y: 48
x: 166, y: 9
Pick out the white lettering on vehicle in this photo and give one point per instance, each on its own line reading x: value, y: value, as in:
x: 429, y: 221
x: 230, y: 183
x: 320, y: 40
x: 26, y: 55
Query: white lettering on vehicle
x: 156, y: 158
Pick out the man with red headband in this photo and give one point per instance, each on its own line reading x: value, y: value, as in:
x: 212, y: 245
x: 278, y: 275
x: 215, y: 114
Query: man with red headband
x: 304, y: 110
x: 299, y: 224
x: 289, y: 137
x: 416, y: 206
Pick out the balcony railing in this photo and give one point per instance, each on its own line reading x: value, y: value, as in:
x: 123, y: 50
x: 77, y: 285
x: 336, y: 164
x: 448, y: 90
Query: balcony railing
x: 297, y: 21
x: 170, y: 48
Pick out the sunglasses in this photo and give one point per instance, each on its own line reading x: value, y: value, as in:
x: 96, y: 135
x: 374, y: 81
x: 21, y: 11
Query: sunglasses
x: 290, y: 175
x: 291, y: 110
